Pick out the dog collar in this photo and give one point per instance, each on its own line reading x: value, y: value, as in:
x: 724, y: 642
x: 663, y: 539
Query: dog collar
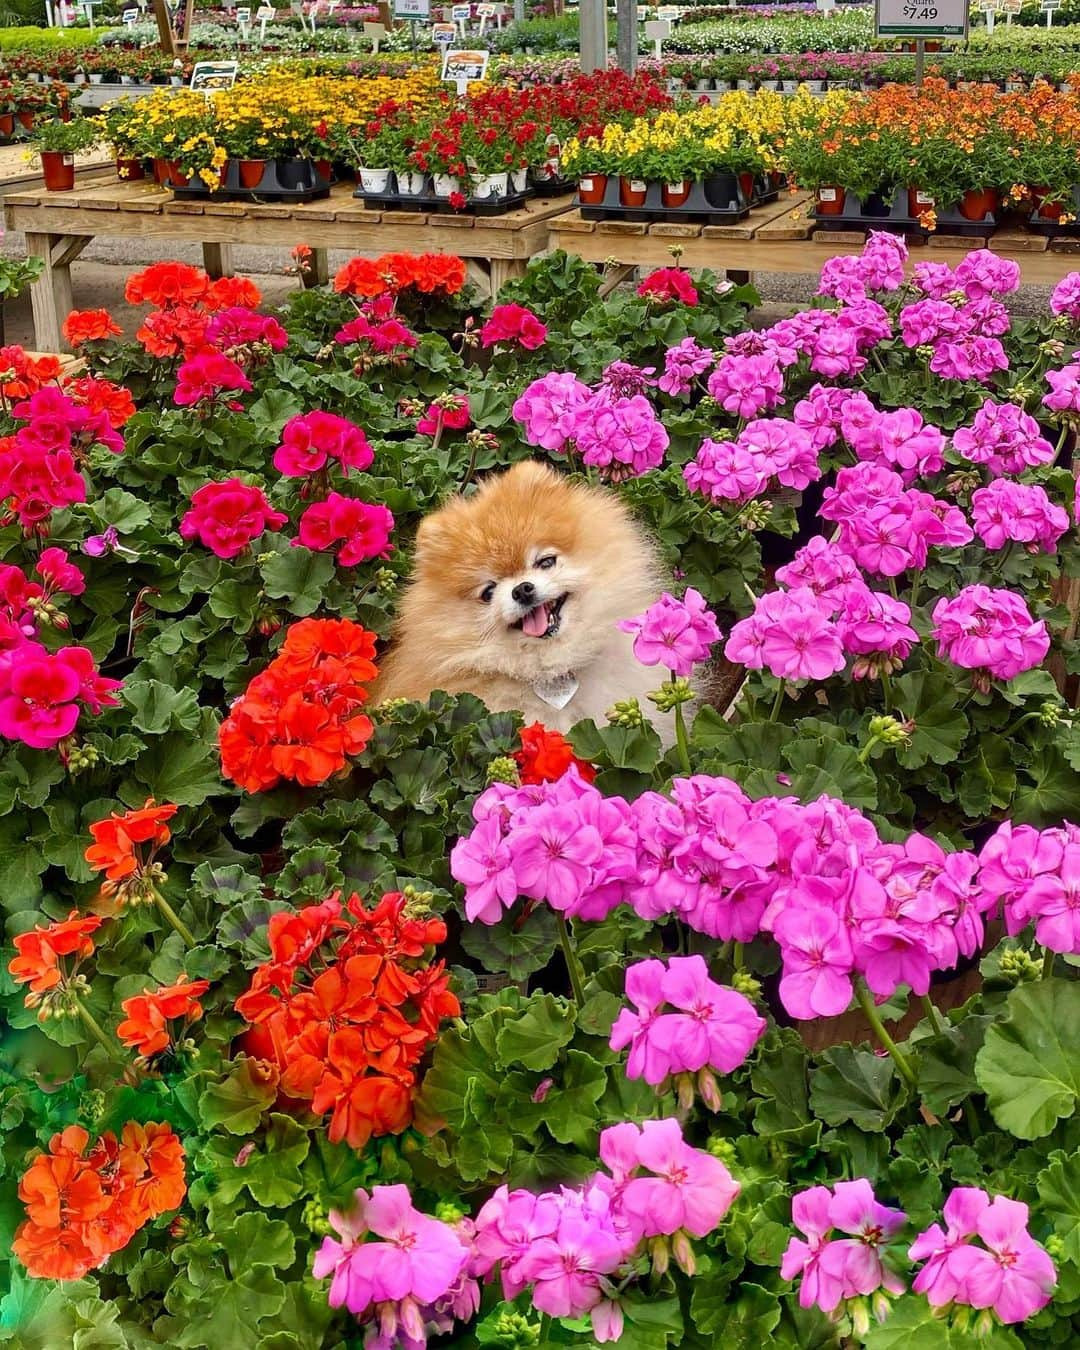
x: 557, y: 692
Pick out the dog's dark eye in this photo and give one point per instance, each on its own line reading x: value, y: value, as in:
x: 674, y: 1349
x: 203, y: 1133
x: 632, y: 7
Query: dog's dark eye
x: 487, y: 593
x: 548, y: 561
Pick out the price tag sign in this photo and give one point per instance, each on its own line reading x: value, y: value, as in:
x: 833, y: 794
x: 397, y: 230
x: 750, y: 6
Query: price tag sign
x: 412, y: 9
x: 1011, y: 6
x: 129, y: 16
x: 656, y: 30
x: 374, y: 32
x: 461, y: 14
x: 210, y: 75
x: 906, y: 18
x: 266, y: 13
x: 462, y: 68
x: 443, y: 33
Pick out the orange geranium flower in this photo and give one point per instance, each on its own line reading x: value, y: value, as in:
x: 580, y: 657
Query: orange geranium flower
x: 229, y: 292
x: 82, y: 1206
x: 89, y: 325
x: 146, y: 1028
x: 440, y: 272
x: 179, y: 330
x: 115, y: 848
x: 103, y: 396
x: 40, y: 952
x: 165, y: 284
x: 360, y: 276
x: 546, y: 755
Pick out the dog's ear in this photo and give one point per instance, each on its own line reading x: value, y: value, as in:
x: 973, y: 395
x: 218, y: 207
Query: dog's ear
x: 430, y: 537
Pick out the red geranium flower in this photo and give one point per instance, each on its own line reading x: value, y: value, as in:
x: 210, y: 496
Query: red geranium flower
x: 546, y: 755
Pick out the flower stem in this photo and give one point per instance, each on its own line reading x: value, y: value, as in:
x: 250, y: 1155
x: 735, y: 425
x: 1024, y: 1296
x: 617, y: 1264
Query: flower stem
x: 93, y: 1026
x: 681, y: 739
x: 1049, y: 958
x: 738, y: 956
x: 870, y: 1012
x: 777, y: 703
x: 573, y: 965
x: 932, y: 1014
x: 172, y: 918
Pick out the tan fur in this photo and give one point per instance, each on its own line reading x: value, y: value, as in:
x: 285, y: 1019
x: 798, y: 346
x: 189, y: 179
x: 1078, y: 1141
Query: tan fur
x: 447, y: 638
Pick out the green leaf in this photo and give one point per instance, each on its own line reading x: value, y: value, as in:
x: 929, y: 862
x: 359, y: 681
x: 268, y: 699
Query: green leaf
x: 1029, y: 1066
x: 184, y: 767
x: 1053, y: 794
x: 735, y: 1319
x: 930, y: 701
x: 157, y: 707
x: 855, y: 1084
x: 1059, y: 1191
x: 533, y: 1041
x: 238, y: 1102
x: 569, y: 1109
x: 269, y: 1167
x: 505, y: 948
x: 947, y: 1064
x: 121, y: 509
x: 299, y: 577
x: 223, y: 1312
x: 255, y: 1240
x: 636, y: 748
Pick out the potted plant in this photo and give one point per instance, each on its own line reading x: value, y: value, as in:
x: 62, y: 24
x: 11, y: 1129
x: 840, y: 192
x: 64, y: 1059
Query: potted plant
x: 57, y: 144
x: 116, y: 123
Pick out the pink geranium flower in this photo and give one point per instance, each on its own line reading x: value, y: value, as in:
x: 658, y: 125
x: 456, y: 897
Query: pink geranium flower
x: 513, y: 325
x: 310, y: 441
x: 669, y: 285
x: 674, y: 633
x: 204, y: 377
x: 689, y: 1190
x: 361, y: 529
x: 834, y: 1269
x: 226, y: 517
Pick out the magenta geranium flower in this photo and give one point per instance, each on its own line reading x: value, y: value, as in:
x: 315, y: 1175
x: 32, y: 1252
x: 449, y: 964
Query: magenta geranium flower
x: 678, y: 634
x: 514, y: 325
x: 204, y: 377
x: 838, y: 1268
x: 989, y: 631
x: 310, y: 441
x: 226, y: 517
x: 358, y: 530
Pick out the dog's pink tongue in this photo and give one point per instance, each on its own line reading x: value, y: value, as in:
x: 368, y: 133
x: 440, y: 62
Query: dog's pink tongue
x: 535, y: 623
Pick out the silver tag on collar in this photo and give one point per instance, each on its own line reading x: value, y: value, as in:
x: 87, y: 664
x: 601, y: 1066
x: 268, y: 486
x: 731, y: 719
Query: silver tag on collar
x: 557, y: 692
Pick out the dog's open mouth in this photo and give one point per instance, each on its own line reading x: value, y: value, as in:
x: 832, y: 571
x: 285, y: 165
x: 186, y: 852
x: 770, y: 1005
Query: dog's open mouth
x: 543, y: 621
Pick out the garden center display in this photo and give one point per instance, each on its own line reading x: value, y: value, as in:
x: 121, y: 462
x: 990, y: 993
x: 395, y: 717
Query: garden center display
x: 339, y: 1020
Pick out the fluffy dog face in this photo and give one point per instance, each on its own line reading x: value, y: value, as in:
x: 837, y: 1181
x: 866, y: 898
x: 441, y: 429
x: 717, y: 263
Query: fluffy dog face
x: 528, y: 577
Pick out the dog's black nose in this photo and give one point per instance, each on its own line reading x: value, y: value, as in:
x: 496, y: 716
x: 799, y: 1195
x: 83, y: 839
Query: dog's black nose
x: 525, y: 593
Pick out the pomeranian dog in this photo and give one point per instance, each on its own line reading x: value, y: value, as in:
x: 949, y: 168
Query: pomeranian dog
x: 516, y: 595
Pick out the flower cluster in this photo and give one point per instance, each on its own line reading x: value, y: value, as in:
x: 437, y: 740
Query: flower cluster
x: 771, y: 449
x: 1005, y: 511
x: 358, y: 530
x: 835, y: 1269
x: 546, y: 755
x: 706, y: 1028
x: 346, y: 1006
x: 47, y: 960
x: 514, y: 326
x: 146, y: 1027
x: 84, y: 1202
x: 1004, y: 439
x: 838, y: 901
x: 565, y: 1244
x: 678, y: 634
x: 125, y: 849
x: 311, y: 441
x: 1034, y: 875
x: 300, y: 718
x: 412, y: 1284
x: 990, y: 632
x: 196, y: 319
x: 228, y: 517
x: 425, y: 274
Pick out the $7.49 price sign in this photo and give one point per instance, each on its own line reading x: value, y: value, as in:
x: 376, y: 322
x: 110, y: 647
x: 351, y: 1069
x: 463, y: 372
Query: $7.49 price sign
x: 906, y: 18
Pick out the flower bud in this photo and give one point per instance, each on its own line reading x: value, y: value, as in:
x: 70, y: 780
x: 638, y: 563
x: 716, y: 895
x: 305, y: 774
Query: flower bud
x: 888, y: 731
x: 671, y: 693
x: 683, y: 1251
x: 447, y: 1211
x: 880, y: 1305
x: 659, y: 1255
x: 755, y: 515
x: 1050, y: 714
x: 746, y: 984
x: 721, y: 1148
x: 1018, y: 966
x: 503, y: 770
x: 684, y: 1091
x: 386, y: 580
x: 626, y: 713
x: 859, y: 1314
x: 708, y: 1090
x: 314, y: 1218
x: 268, y: 623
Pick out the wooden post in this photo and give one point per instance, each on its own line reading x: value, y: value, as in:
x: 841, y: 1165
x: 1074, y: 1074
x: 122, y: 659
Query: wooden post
x: 50, y: 295
x: 626, y: 35
x: 592, y: 17
x: 217, y: 260
x: 164, y: 26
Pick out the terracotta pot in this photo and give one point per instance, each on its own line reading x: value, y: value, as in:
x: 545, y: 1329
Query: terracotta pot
x: 251, y: 172
x: 674, y: 194
x: 175, y: 177
x: 978, y: 203
x: 7, y: 124
x: 591, y: 189
x: 324, y: 168
x: 746, y: 182
x: 1044, y: 210
x: 58, y: 170
x: 26, y: 119
x: 918, y: 202
x: 830, y: 201
x: 130, y: 170
x: 161, y: 172
x: 632, y: 191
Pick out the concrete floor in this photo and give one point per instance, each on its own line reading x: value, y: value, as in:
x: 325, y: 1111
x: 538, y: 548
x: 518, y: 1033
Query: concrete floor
x: 99, y: 275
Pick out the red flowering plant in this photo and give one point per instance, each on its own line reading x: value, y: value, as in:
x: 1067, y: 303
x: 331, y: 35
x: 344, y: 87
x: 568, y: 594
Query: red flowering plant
x: 346, y: 1007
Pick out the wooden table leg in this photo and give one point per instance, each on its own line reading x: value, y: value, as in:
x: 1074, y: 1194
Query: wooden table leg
x: 317, y: 270
x: 217, y: 260
x: 50, y: 295
x: 504, y: 270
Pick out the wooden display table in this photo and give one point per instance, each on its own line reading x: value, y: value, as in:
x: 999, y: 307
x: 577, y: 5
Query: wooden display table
x: 781, y: 237
x: 59, y: 225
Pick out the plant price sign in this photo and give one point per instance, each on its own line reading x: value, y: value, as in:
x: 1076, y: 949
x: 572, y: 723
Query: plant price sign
x: 907, y: 18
